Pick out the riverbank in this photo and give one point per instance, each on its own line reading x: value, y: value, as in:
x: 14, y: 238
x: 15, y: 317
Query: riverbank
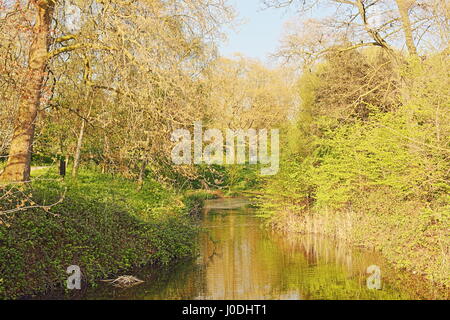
x: 406, y: 235
x: 105, y: 225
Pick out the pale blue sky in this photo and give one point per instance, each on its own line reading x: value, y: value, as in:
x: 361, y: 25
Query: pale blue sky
x: 259, y: 34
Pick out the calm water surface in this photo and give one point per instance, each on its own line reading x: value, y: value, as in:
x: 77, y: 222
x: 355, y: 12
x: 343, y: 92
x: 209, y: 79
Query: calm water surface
x: 239, y: 259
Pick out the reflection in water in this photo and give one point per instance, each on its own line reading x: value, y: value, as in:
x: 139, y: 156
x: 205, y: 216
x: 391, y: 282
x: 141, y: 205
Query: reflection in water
x: 241, y: 260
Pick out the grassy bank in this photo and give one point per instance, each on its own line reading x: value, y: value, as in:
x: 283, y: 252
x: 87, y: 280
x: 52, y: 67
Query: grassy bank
x: 105, y: 225
x: 407, y: 238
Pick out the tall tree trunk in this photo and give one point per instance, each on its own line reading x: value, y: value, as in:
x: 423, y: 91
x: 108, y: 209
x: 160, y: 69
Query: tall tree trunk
x: 403, y: 8
x: 77, y: 156
x: 18, y: 166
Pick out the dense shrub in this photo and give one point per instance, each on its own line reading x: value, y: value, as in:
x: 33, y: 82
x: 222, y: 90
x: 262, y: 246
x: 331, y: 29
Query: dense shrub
x: 101, y: 236
x: 381, y: 180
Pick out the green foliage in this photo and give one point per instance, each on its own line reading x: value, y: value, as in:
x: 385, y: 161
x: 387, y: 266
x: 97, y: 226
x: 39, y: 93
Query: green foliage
x: 149, y: 201
x: 385, y: 174
x: 233, y: 178
x: 194, y: 201
x: 364, y: 156
x: 104, y: 225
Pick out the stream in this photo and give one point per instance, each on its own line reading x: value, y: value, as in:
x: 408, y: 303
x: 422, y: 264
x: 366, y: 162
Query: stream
x: 239, y: 259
